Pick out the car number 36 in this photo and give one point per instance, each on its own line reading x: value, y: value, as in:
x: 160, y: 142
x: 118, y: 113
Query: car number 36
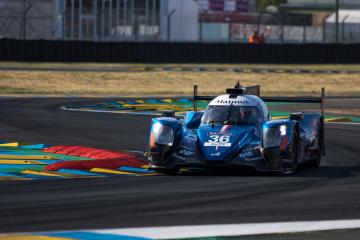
x: 219, y: 139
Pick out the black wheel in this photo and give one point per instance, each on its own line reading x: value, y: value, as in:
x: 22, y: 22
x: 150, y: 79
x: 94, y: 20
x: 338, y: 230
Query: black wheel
x: 169, y: 171
x: 317, y: 161
x: 289, y: 164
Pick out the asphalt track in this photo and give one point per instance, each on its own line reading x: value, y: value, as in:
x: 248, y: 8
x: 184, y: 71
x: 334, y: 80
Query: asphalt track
x: 328, y: 193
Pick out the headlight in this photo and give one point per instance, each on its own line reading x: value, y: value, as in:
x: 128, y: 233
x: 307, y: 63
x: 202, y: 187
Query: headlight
x: 283, y: 130
x: 162, y: 134
x: 272, y: 136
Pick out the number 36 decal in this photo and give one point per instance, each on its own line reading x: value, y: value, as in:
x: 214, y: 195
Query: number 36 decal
x: 218, y: 141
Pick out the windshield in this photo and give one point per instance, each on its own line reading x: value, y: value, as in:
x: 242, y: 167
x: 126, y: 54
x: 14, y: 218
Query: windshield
x: 234, y: 115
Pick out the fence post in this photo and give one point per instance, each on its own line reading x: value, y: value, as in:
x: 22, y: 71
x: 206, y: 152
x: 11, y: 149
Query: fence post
x: 169, y: 24
x: 304, y: 33
x: 200, y: 30
x: 322, y: 101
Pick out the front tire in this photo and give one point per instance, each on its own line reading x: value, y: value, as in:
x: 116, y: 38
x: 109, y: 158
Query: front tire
x: 289, y: 165
x: 169, y: 171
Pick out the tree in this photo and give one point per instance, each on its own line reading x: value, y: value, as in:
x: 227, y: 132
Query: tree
x: 261, y: 5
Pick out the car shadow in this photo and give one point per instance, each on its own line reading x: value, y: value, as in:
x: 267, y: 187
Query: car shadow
x: 328, y: 171
x: 303, y: 171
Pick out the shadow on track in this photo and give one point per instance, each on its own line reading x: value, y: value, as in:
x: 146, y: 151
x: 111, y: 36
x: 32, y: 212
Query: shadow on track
x: 303, y: 171
x: 329, y: 172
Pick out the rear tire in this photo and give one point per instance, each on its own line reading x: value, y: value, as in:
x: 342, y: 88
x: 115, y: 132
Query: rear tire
x: 289, y: 165
x: 317, y: 161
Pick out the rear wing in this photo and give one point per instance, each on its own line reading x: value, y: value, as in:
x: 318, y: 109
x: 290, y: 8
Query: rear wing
x: 255, y: 90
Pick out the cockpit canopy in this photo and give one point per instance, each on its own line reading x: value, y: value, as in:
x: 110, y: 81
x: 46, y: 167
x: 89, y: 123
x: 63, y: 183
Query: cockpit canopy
x: 232, y: 115
x: 243, y: 101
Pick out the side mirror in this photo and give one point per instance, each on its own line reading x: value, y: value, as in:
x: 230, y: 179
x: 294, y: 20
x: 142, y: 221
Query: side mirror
x: 193, y: 119
x: 168, y: 113
x: 297, y: 116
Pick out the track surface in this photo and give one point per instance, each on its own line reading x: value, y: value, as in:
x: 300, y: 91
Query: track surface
x: 331, y: 192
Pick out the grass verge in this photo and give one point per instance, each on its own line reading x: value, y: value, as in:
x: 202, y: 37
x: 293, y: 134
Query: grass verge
x: 348, y: 67
x: 172, y: 83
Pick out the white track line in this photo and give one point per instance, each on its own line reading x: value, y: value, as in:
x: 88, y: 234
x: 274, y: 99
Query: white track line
x: 177, y: 232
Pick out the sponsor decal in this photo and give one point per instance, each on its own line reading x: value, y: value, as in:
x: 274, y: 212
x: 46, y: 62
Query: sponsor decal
x: 245, y: 155
x: 218, y: 141
x: 217, y: 133
x: 191, y: 135
x: 225, y: 128
x: 232, y: 101
x: 215, y: 154
x: 186, y: 152
x: 217, y: 144
x: 179, y: 157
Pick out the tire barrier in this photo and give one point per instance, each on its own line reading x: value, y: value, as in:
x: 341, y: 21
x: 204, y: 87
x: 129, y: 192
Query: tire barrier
x: 161, y: 52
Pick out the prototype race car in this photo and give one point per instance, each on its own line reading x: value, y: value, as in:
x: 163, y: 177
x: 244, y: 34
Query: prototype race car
x: 236, y: 129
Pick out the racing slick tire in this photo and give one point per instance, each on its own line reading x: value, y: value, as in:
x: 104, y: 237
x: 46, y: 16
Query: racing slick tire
x: 169, y: 171
x: 289, y: 165
x: 317, y: 161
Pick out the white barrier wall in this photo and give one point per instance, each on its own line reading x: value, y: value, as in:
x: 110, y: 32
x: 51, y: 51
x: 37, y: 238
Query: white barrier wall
x: 38, y: 21
x: 349, y: 27
x: 184, y: 24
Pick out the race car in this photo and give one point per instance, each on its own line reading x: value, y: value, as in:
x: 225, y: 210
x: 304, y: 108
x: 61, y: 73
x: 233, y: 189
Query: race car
x: 237, y: 129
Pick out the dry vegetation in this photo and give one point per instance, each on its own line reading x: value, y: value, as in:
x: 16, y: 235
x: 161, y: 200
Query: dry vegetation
x: 347, y: 111
x: 172, y: 83
x: 349, y: 67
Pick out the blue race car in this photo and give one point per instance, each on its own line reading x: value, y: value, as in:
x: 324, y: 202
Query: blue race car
x: 236, y: 129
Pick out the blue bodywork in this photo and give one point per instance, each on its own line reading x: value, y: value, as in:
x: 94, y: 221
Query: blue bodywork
x: 266, y: 145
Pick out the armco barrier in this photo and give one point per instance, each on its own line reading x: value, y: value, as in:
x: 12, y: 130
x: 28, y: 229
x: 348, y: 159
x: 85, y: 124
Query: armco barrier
x: 157, y: 52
